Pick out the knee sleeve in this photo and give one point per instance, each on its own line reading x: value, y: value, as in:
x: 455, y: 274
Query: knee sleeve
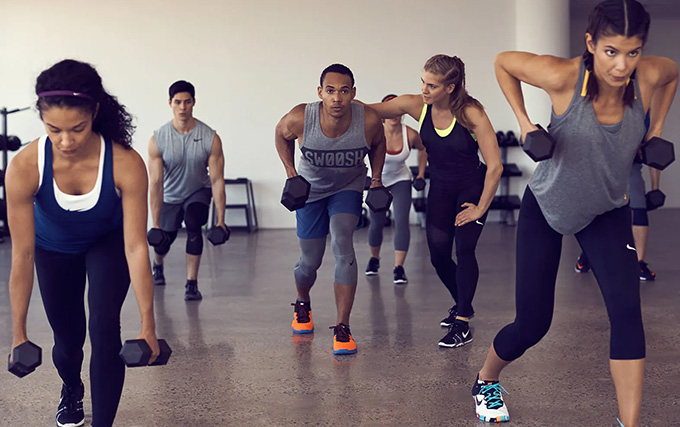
x: 194, y: 241
x: 310, y: 261
x: 640, y: 217
x: 342, y: 231
x: 164, y: 249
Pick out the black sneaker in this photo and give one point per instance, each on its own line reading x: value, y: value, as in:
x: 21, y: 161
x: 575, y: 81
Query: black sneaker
x: 192, y: 293
x: 70, y: 411
x: 400, y: 275
x: 459, y: 335
x: 582, y: 264
x: 373, y: 266
x: 158, y: 277
x: 448, y: 320
x: 645, y: 273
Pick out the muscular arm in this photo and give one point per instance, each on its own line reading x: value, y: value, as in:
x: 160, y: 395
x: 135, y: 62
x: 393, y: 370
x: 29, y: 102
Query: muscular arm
x: 289, y: 129
x: 488, y: 145
x: 216, y: 168
x: 417, y: 143
x: 554, y: 75
x: 21, y: 183
x: 130, y: 178
x: 404, y: 104
x: 156, y: 181
x: 378, y: 145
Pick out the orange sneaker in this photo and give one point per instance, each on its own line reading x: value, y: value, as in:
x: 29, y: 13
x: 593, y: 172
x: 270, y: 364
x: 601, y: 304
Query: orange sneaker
x: 302, y: 318
x: 343, y: 343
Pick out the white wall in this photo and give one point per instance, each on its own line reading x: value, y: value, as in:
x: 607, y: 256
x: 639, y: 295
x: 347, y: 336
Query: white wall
x: 250, y: 61
x: 663, y: 39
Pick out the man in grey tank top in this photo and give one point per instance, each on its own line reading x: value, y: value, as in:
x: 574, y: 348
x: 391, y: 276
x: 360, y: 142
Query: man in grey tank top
x: 333, y: 135
x: 186, y: 167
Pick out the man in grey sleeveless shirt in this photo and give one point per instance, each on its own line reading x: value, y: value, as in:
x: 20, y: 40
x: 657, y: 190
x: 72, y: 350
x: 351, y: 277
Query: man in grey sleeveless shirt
x: 186, y: 167
x: 334, y: 135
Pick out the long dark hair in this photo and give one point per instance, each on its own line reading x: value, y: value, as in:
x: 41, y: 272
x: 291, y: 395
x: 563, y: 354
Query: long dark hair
x: 452, y: 70
x: 615, y: 18
x: 111, y: 120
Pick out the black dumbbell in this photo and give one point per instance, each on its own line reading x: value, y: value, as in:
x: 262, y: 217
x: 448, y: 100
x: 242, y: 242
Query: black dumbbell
x: 419, y: 184
x: 138, y: 353
x: 2, y: 177
x: 157, y: 237
x: 367, y: 183
x: 218, y: 235
x: 657, y: 153
x: 295, y: 193
x: 25, y: 358
x: 12, y: 142
x: 655, y: 199
x: 539, y: 144
x: 379, y: 199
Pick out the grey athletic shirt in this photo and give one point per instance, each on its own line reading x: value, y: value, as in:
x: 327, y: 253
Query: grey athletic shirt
x: 588, y: 173
x: 185, y: 160
x: 333, y: 165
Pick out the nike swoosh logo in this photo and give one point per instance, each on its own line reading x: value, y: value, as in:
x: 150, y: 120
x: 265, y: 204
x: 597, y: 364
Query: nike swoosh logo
x: 479, y: 222
x: 479, y: 401
x: 465, y: 334
x: 197, y: 139
x: 629, y: 247
x: 351, y: 263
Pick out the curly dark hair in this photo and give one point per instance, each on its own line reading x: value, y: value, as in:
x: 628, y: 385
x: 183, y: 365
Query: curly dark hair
x: 112, y: 120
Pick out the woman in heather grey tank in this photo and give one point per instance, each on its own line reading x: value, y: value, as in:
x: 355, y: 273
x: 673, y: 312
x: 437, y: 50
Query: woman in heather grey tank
x: 599, y: 103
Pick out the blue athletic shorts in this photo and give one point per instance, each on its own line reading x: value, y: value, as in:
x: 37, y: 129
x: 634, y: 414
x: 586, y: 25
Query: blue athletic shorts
x: 313, y: 220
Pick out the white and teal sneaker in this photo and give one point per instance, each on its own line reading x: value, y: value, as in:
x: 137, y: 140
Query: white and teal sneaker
x: 489, y: 401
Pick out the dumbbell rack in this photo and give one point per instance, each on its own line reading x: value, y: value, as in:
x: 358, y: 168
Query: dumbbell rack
x: 4, y: 231
x: 504, y: 201
x: 248, y: 207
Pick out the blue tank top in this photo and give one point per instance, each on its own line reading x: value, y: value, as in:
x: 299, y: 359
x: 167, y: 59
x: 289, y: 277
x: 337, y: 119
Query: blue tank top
x: 451, y: 153
x: 73, y: 231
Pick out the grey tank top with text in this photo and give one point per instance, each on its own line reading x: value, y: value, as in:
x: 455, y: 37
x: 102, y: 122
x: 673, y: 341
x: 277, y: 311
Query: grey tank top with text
x: 185, y: 160
x: 588, y: 173
x: 333, y: 165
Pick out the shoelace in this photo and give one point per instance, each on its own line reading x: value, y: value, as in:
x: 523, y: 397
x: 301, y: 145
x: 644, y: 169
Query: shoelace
x: 341, y: 332
x: 492, y: 395
x: 302, y: 312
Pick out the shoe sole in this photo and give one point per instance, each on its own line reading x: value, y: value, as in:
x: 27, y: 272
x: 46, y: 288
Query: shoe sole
x: 401, y: 282
x: 644, y: 279
x: 302, y: 331
x: 341, y: 352
x: 81, y: 423
x: 502, y: 419
x: 444, y: 324
x: 460, y: 344
x: 371, y: 273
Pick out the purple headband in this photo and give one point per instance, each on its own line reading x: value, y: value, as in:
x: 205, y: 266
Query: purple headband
x: 65, y: 93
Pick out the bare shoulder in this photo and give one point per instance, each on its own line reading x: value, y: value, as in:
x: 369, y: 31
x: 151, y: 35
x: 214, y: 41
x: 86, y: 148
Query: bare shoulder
x: 371, y: 118
x: 656, y: 70
x: 127, y: 162
x: 293, y: 122
x: 475, y: 114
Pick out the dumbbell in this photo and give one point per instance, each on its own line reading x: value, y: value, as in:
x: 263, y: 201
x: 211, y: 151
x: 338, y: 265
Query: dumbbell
x: 657, y: 153
x: 295, y: 193
x: 25, y: 358
x: 2, y: 177
x: 655, y: 199
x: 539, y: 144
x: 419, y: 184
x: 157, y: 237
x: 12, y: 142
x: 138, y: 352
x: 379, y: 199
x: 218, y: 235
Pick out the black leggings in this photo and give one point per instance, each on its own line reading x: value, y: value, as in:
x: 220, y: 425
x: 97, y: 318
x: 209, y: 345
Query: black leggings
x: 443, y: 204
x: 61, y: 278
x: 608, y: 243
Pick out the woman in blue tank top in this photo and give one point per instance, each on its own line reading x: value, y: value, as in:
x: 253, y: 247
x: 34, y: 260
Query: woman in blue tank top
x: 599, y: 103
x: 77, y: 206
x: 461, y: 187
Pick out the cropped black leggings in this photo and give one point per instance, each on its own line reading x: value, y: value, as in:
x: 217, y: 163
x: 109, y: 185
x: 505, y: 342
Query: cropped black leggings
x: 444, y: 202
x: 61, y: 278
x: 608, y: 243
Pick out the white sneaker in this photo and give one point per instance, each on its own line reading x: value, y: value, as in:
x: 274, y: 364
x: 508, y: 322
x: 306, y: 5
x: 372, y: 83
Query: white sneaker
x: 489, y: 403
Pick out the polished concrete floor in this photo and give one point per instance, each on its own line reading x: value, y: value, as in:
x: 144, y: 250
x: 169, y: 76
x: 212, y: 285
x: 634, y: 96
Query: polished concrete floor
x: 236, y: 362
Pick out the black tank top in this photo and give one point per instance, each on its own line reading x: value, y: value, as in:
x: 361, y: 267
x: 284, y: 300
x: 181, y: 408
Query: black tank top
x: 452, y: 154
